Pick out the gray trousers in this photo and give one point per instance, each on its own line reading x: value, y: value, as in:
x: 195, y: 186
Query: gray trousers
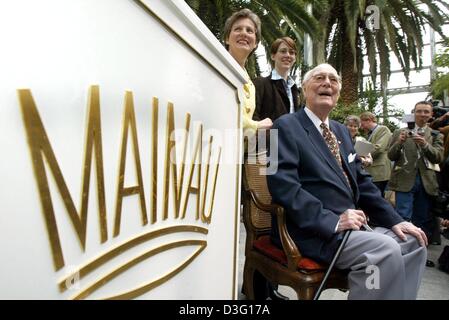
x: 382, y: 266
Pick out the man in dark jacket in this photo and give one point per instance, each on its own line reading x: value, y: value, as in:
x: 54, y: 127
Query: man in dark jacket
x: 325, y: 191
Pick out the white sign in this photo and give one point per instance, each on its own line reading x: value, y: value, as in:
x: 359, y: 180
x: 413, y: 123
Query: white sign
x: 120, y: 140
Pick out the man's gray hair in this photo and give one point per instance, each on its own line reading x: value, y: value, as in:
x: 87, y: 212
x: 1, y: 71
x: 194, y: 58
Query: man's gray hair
x: 311, y: 73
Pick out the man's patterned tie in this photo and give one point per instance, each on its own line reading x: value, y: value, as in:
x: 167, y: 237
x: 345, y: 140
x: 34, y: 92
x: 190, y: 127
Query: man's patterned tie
x: 331, y: 142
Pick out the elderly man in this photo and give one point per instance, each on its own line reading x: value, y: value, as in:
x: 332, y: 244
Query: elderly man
x: 325, y: 191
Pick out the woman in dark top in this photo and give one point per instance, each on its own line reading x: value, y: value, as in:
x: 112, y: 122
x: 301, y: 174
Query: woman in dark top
x: 278, y: 94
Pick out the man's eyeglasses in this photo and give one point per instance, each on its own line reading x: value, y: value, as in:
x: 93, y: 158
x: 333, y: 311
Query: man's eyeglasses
x: 321, y: 77
x: 285, y: 51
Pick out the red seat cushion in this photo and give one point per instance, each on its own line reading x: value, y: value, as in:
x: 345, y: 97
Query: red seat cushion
x: 265, y: 246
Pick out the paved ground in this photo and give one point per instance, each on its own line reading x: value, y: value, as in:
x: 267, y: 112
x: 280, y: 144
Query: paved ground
x: 434, y: 286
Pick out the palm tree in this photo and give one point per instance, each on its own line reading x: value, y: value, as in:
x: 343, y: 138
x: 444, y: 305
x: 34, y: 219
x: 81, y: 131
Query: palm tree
x: 339, y: 32
x: 345, y: 38
x: 279, y: 18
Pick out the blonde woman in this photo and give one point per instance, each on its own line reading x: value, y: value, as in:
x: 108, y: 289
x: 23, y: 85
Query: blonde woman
x: 242, y: 32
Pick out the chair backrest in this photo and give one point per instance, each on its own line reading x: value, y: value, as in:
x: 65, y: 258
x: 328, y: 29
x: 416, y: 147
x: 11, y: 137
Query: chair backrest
x: 254, y: 178
x: 284, y: 266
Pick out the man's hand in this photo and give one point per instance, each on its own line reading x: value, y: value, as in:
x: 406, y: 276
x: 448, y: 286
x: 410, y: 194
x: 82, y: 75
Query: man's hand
x: 444, y: 116
x: 351, y: 219
x: 445, y: 223
x: 265, y: 124
x: 419, y: 140
x: 366, y: 160
x: 404, y: 227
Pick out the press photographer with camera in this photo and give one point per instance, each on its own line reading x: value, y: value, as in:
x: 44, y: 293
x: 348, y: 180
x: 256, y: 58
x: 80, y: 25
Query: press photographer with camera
x: 416, y: 150
x: 440, y: 208
x: 440, y: 115
x: 441, y: 123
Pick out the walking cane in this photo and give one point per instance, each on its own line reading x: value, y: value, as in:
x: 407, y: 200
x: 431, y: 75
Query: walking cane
x: 331, y: 266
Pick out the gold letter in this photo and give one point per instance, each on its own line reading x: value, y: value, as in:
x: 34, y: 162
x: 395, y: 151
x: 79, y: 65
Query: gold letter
x: 155, y: 128
x: 129, y: 119
x: 197, y: 154
x: 40, y: 146
x: 171, y: 165
x: 204, y: 217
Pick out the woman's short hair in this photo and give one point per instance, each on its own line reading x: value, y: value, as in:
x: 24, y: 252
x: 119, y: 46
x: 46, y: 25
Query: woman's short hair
x: 352, y: 119
x: 289, y: 42
x: 244, y: 13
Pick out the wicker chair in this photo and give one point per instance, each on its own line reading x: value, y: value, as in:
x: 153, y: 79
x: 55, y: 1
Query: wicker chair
x: 284, y: 266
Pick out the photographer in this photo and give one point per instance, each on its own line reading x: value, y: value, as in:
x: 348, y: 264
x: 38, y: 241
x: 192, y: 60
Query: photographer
x: 441, y: 123
x: 440, y: 117
x: 415, y: 152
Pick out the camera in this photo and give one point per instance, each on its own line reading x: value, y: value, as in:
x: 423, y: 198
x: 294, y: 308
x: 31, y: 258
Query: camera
x: 412, y: 132
x: 410, y: 127
x: 409, y: 119
x: 439, y: 111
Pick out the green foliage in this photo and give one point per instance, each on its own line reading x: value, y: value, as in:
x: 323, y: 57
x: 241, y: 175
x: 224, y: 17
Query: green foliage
x: 346, y: 38
x: 442, y: 60
x: 370, y: 100
x: 340, y: 36
x: 441, y: 82
x: 279, y: 18
x: 252, y: 67
x: 341, y: 111
x: 391, y: 125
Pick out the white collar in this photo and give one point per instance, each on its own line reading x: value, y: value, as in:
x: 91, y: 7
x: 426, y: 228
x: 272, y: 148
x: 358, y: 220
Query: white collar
x: 276, y: 76
x: 316, y: 121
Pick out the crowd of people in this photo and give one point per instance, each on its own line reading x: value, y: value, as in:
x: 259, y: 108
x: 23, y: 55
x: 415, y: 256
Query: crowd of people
x: 325, y: 188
